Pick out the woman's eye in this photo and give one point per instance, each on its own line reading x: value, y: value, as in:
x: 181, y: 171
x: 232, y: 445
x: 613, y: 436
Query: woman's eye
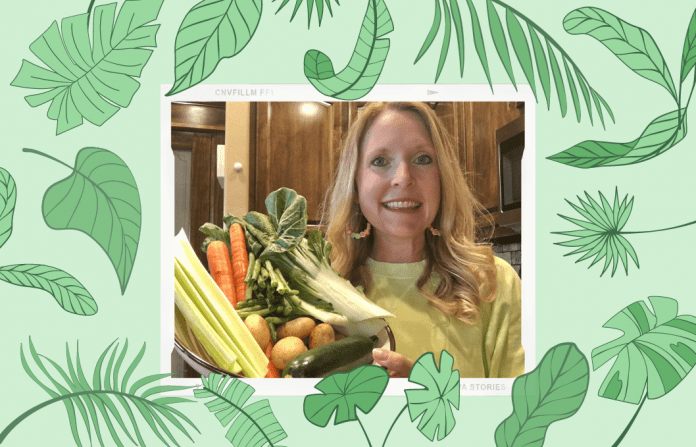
x: 424, y: 159
x: 379, y: 161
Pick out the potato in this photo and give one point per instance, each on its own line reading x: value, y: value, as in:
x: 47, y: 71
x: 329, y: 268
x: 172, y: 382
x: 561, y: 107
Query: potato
x: 322, y: 334
x: 299, y: 327
x: 285, y: 350
x: 259, y: 330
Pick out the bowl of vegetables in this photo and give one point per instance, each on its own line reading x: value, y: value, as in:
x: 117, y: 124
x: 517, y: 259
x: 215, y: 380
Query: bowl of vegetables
x: 271, y: 305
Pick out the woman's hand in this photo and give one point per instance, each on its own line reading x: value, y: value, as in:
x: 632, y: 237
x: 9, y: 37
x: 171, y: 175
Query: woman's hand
x: 398, y: 365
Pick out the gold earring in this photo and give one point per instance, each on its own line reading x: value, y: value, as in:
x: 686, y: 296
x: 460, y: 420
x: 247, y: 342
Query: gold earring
x: 360, y: 235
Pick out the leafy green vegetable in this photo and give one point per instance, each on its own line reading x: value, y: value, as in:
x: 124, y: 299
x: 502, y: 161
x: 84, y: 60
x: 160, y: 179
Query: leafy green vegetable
x: 343, y: 393
x: 439, y: 394
x: 211, y: 31
x: 662, y: 134
x: 101, y: 199
x: 553, y: 391
x: 657, y: 350
x: 91, y: 81
x: 366, y: 63
x: 8, y: 199
x: 254, y: 425
x: 288, y: 215
x: 70, y: 294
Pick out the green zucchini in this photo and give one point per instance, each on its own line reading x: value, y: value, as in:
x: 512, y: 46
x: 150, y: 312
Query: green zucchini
x: 340, y: 356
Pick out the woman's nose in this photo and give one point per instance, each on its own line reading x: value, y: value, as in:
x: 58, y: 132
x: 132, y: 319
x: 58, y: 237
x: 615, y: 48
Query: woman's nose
x: 402, y: 175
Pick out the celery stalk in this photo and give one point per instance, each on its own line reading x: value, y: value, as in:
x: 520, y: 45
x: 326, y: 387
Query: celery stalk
x: 213, y: 344
x: 188, y: 339
x: 215, y: 307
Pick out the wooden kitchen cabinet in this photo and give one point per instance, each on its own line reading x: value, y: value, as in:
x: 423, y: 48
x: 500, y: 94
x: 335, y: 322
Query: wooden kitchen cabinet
x: 294, y: 144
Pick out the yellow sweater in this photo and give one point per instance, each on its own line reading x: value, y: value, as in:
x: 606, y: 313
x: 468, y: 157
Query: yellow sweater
x: 493, y: 343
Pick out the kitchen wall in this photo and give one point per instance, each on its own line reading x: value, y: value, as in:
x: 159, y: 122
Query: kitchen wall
x: 512, y: 253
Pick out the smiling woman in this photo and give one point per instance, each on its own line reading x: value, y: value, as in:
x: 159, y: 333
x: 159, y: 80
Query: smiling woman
x: 399, y: 176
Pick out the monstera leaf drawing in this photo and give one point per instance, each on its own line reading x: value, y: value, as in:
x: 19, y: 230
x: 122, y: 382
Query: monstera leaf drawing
x: 365, y: 65
x: 70, y: 294
x: 433, y: 403
x: 211, y: 31
x: 255, y: 424
x: 344, y: 393
x: 110, y: 395
x: 101, y: 199
x: 553, y: 391
x: 8, y: 199
x: 656, y: 352
x: 91, y: 80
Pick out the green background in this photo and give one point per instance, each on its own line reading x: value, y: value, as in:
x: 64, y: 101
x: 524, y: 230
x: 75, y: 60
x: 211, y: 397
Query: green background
x: 572, y: 302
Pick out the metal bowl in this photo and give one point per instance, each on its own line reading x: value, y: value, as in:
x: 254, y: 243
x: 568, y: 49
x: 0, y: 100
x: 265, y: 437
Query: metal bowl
x: 385, y: 340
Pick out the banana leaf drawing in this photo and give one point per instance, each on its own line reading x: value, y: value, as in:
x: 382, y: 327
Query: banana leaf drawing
x: 211, y: 31
x: 602, y: 234
x: 553, y: 391
x: 99, y: 198
x: 653, y: 355
x: 91, y: 80
x: 365, y: 65
x: 310, y: 3
x: 8, y: 200
x: 529, y: 52
x: 636, y: 48
x: 109, y: 395
x: 255, y: 424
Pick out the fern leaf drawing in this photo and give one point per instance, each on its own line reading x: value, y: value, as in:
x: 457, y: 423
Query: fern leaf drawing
x: 254, y: 424
x: 538, y: 54
x: 91, y: 80
x: 310, y: 4
x: 109, y: 395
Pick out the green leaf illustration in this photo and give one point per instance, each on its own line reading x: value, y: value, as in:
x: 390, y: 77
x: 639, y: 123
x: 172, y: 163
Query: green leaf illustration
x: 600, y: 235
x: 255, y: 424
x: 8, y: 199
x: 310, y: 3
x: 439, y: 394
x: 343, y: 393
x: 478, y: 41
x: 521, y: 47
x: 657, y: 350
x: 70, y: 294
x: 553, y: 391
x: 634, y: 46
x: 663, y: 133
x: 211, y: 31
x: 100, y: 198
x: 689, y: 52
x: 108, y: 395
x: 499, y: 40
x: 365, y: 65
x: 91, y: 81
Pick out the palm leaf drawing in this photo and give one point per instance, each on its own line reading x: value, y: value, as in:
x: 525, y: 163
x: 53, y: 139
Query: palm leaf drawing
x: 689, y: 52
x: 366, y: 62
x: 109, y: 395
x: 91, y: 81
x: 211, y: 31
x: 255, y: 424
x: 310, y: 3
x: 8, y: 200
x: 655, y: 353
x: 101, y: 199
x: 601, y: 235
x: 529, y: 51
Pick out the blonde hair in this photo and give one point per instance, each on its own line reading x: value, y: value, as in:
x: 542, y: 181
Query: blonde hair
x: 466, y: 269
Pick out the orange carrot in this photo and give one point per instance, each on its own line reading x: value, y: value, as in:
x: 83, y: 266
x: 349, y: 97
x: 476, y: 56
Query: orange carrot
x: 240, y: 260
x: 273, y: 372
x: 220, y: 267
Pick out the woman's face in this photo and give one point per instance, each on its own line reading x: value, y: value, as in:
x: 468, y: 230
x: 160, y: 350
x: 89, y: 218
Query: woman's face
x: 398, y: 179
